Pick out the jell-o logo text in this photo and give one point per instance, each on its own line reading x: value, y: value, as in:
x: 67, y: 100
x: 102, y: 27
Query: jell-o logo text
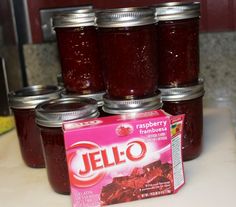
x: 88, y: 163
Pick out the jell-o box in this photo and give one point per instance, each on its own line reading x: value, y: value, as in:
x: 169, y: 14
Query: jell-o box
x: 124, y: 158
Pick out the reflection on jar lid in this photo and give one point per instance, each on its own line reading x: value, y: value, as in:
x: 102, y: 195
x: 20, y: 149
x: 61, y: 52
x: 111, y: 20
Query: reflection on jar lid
x: 54, y: 112
x: 83, y: 16
x: 112, y: 106
x: 125, y: 17
x: 96, y: 96
x: 183, y: 93
x: 177, y: 10
x: 29, y: 97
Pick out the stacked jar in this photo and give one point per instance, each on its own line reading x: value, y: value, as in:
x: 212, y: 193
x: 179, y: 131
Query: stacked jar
x: 178, y: 64
x: 188, y: 101
x: 23, y: 103
x: 128, y: 55
x: 78, y: 49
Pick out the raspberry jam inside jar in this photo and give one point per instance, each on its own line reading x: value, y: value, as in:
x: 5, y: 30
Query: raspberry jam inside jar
x: 178, y: 43
x: 188, y: 101
x: 78, y: 50
x: 128, y: 53
x: 23, y: 103
x: 114, y: 106
x: 49, y: 116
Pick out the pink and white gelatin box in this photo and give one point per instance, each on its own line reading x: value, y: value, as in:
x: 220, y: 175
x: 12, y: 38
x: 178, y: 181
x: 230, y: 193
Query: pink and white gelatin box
x: 124, y: 158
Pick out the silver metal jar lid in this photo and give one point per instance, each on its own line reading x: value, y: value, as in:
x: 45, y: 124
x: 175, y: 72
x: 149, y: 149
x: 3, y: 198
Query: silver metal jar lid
x: 30, y: 97
x: 183, y: 93
x: 125, y: 17
x: 129, y: 106
x: 96, y: 96
x: 177, y: 10
x: 54, y: 112
x: 84, y: 16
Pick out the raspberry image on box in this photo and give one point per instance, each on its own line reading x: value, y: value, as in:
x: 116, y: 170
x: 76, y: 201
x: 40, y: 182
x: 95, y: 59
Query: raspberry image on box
x: 124, y: 130
x: 105, y: 168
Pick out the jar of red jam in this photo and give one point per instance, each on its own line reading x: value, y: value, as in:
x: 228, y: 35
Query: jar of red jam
x: 49, y: 116
x: 178, y: 43
x: 23, y: 103
x: 114, y: 106
x: 78, y: 50
x: 127, y: 46
x: 188, y: 101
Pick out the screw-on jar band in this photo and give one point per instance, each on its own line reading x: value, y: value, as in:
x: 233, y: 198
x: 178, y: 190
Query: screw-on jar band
x: 183, y: 93
x: 30, y: 97
x: 177, y: 11
x: 53, y: 113
x: 125, y: 17
x: 131, y: 106
x: 84, y: 16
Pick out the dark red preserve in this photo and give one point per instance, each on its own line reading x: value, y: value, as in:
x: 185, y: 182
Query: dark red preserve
x: 188, y: 101
x: 78, y: 50
x: 49, y: 116
x: 23, y: 103
x: 128, y: 53
x: 178, y: 43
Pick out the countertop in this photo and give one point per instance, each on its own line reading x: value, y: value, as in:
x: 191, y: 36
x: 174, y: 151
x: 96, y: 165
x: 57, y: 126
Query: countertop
x: 210, y: 179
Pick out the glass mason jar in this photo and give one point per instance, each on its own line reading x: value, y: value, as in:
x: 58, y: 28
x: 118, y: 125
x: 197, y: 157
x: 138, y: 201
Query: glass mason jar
x: 128, y: 53
x: 78, y: 50
x: 114, y: 106
x: 188, y: 101
x: 23, y: 103
x: 178, y: 43
x: 49, y: 116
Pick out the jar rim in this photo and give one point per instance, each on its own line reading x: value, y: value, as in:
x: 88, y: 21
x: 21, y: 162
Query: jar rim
x: 29, y: 97
x: 177, y: 10
x: 96, y: 96
x: 83, y: 16
x: 53, y: 113
x: 113, y: 106
x: 125, y: 17
x: 183, y: 93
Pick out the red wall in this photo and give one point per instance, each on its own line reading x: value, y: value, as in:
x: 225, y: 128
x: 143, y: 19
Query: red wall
x: 34, y: 6
x: 217, y: 15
